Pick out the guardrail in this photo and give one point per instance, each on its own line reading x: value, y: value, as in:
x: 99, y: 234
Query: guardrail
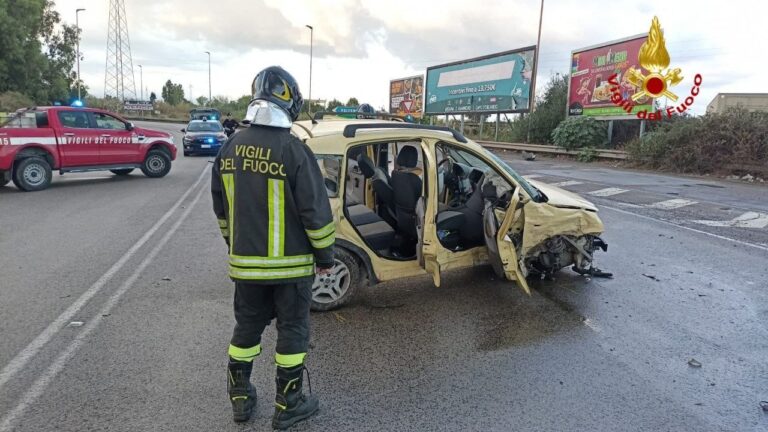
x: 555, y: 150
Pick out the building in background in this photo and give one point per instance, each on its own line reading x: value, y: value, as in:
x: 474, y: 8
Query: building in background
x: 749, y: 101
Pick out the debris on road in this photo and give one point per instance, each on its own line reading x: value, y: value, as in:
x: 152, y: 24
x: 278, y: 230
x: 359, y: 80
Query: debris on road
x: 694, y: 363
x: 166, y: 278
x: 528, y: 155
x: 764, y: 405
x: 650, y: 276
x: 339, y: 317
x: 75, y: 324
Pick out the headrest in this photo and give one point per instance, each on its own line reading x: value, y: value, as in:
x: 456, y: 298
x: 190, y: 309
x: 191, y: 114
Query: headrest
x: 408, y: 157
x: 366, y: 165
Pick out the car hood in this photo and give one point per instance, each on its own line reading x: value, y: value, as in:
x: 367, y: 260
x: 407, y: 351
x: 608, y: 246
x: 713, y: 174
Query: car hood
x: 199, y: 134
x: 151, y: 133
x: 561, y: 197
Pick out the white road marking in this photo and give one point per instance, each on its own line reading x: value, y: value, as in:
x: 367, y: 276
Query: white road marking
x: 566, y: 183
x: 44, y: 381
x: 607, y: 192
x: 743, y: 243
x: 24, y: 356
x: 747, y: 220
x: 671, y: 204
x: 533, y: 176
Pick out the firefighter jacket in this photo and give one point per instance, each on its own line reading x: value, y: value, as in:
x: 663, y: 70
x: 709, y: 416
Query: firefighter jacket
x: 270, y: 199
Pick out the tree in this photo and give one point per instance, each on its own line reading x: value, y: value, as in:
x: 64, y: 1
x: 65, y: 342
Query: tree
x: 152, y: 97
x: 333, y: 104
x: 352, y: 102
x: 37, y: 52
x: 202, y: 101
x: 172, y: 93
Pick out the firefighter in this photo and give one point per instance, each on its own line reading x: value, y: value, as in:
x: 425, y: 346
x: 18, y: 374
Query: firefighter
x: 273, y: 211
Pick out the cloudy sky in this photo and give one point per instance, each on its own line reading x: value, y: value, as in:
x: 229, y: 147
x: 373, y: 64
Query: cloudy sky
x: 359, y: 45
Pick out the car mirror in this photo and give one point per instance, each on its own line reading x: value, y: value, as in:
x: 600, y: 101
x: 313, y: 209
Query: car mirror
x: 129, y: 126
x: 184, y: 130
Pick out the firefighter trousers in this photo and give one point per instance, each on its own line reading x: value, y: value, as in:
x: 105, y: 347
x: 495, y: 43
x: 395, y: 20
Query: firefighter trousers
x: 256, y: 305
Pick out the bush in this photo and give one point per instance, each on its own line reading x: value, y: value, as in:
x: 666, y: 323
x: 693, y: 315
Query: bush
x: 586, y: 154
x: 734, y: 141
x: 11, y: 101
x: 575, y: 133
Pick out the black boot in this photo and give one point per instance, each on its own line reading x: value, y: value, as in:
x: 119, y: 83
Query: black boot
x: 291, y: 405
x: 241, y: 392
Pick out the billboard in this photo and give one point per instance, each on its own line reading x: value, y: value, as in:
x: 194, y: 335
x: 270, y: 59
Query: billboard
x: 589, y: 92
x: 494, y: 83
x: 134, y: 105
x: 406, y: 96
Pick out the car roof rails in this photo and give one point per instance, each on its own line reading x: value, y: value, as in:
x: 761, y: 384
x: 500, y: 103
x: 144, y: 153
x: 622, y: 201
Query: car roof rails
x: 351, y: 130
x: 381, y: 116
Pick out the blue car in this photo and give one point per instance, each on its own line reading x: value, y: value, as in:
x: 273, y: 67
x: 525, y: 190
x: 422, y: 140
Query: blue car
x: 203, y: 137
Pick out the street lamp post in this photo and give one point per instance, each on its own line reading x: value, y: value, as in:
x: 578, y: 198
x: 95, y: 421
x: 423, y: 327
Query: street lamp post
x: 311, y: 42
x: 77, y: 24
x: 141, y: 78
x: 209, y: 77
x: 535, y: 71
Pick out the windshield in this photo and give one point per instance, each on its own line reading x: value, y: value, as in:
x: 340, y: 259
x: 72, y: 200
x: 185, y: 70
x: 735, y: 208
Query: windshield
x: 204, y: 127
x: 529, y: 189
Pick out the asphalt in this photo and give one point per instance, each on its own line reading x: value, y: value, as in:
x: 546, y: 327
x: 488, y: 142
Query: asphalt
x: 476, y: 354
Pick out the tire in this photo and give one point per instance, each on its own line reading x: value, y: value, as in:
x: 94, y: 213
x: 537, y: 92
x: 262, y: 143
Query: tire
x: 157, y: 164
x: 32, y: 174
x: 122, y: 172
x: 336, y: 290
x: 186, y: 153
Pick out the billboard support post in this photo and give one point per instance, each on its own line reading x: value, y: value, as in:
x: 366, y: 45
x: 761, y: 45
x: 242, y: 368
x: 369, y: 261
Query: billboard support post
x: 642, y: 128
x: 462, y: 125
x: 610, y: 131
x: 481, y: 126
x: 498, y: 118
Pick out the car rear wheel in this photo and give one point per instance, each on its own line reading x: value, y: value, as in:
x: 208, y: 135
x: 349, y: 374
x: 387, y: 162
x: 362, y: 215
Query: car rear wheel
x: 156, y: 164
x: 32, y: 174
x: 122, y: 172
x: 337, y: 288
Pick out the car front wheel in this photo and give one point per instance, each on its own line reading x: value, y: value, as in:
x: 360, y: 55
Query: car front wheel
x: 156, y: 164
x: 337, y: 288
x: 32, y: 174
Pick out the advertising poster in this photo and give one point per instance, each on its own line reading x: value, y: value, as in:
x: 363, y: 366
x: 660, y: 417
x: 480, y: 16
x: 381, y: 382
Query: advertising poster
x: 589, y: 92
x: 496, y: 83
x: 406, y: 96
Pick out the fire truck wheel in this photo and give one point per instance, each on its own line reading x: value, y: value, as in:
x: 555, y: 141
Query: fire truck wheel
x: 32, y: 174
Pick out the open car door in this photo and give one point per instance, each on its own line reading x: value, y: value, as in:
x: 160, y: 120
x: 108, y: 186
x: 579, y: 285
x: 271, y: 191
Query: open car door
x: 501, y: 250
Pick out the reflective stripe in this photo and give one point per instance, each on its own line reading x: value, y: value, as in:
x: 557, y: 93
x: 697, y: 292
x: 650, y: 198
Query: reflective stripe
x: 32, y: 140
x: 256, y: 261
x: 324, y: 243
x: 223, y: 223
x: 244, y: 354
x: 229, y: 188
x: 276, y: 206
x: 289, y: 360
x: 262, y: 274
x: 322, y: 232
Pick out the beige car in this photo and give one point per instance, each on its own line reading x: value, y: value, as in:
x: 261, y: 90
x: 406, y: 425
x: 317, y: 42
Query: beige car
x: 412, y: 199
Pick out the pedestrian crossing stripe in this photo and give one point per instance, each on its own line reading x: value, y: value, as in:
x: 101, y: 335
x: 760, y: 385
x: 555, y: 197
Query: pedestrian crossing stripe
x: 566, y: 183
x: 746, y: 220
x: 672, y: 204
x: 607, y: 192
x: 533, y: 176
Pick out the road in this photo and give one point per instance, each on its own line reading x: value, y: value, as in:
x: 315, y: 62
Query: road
x: 116, y: 315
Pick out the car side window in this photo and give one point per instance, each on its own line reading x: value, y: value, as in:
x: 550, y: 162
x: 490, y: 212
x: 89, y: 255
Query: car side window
x: 478, y: 166
x: 330, y: 167
x: 74, y: 119
x: 105, y: 121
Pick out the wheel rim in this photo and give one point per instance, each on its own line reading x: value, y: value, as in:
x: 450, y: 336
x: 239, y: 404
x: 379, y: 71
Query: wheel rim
x: 331, y: 287
x: 155, y: 164
x: 34, y: 175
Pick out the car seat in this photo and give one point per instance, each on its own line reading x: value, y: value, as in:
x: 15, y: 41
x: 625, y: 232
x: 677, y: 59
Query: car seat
x: 407, y: 187
x: 380, y: 183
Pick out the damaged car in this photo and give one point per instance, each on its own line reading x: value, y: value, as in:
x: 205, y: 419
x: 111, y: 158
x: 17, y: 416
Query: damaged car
x: 411, y: 199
